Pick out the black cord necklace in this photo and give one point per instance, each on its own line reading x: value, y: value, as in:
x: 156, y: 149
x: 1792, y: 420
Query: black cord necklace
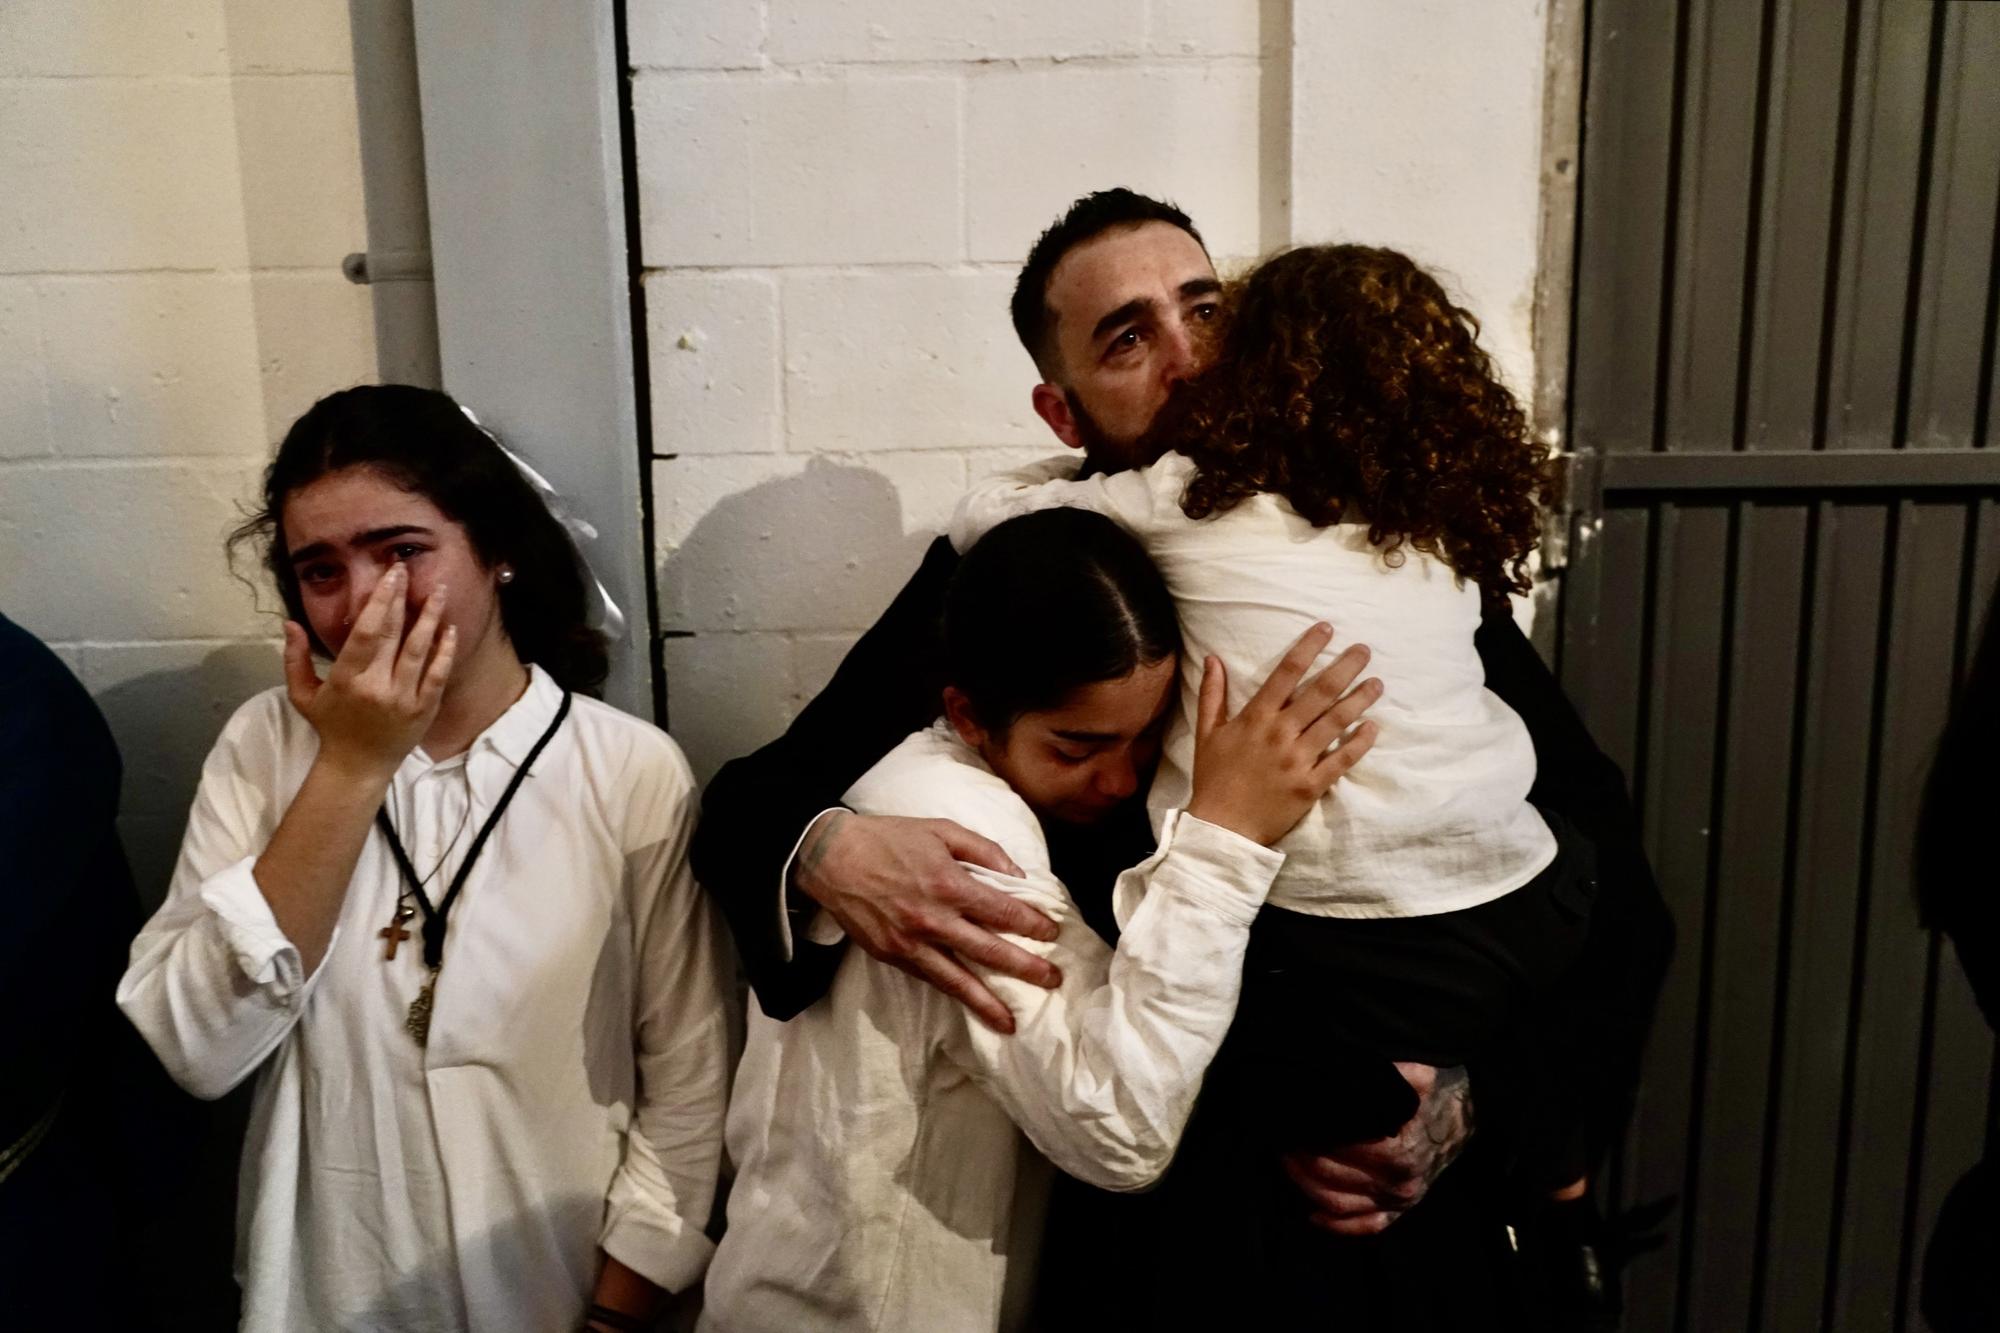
x: 419, y: 1022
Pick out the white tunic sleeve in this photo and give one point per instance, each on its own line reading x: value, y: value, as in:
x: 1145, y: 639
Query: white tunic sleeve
x: 213, y: 984
x: 1140, y: 499
x: 660, y: 1198
x: 1101, y: 1073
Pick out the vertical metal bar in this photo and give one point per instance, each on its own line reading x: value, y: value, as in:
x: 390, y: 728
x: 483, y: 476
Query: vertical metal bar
x: 1837, y: 1296
x: 1749, y: 814
x: 393, y: 193
x: 1833, y: 750
x: 1802, y: 171
x: 1727, y: 46
x: 1652, y: 1160
x: 1915, y: 683
x: 1720, y: 588
x: 1622, y: 220
x: 534, y: 303
x: 1755, y: 226
x: 1986, y: 382
x: 1899, y: 434
x: 642, y: 360
x: 1688, y: 616
x: 1836, y: 264
x: 1950, y: 323
x: 1670, y: 253
x: 1809, y: 586
x: 1876, y: 243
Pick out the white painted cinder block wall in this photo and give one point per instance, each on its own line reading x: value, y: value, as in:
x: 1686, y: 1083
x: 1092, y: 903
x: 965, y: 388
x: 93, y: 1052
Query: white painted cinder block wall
x: 835, y: 195
x: 178, y: 182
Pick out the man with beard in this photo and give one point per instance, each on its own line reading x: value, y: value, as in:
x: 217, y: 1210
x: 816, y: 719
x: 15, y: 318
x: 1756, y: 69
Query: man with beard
x: 1113, y: 305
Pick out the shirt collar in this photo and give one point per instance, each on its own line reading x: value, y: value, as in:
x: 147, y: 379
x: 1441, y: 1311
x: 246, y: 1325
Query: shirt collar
x: 515, y: 731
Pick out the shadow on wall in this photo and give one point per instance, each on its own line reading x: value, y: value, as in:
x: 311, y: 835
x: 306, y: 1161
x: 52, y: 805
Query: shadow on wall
x: 819, y: 552
x: 165, y: 721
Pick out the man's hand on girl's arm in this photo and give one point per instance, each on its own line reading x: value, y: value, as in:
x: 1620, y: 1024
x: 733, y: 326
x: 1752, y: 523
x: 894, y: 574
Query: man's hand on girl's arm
x: 1361, y: 1189
x: 896, y: 887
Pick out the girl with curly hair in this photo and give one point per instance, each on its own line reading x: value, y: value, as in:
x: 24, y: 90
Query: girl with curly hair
x: 1349, y: 456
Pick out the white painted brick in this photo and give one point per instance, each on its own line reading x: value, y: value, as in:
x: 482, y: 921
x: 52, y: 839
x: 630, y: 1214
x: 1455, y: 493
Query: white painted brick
x: 152, y: 364
x: 133, y: 551
x: 817, y: 30
x: 118, y: 175
x: 1036, y: 140
x: 72, y: 37
x: 1440, y: 158
x: 852, y: 170
x: 24, y: 395
x: 315, y: 334
x: 166, y: 703
x: 790, y: 543
x: 297, y: 36
x: 727, y: 694
x: 695, y: 34
x: 713, y: 342
x: 904, y: 361
x: 1216, y: 27
x: 299, y: 140
x: 815, y: 657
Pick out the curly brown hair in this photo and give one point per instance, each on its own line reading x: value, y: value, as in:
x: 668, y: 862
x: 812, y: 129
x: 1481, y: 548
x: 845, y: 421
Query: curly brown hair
x: 1346, y: 381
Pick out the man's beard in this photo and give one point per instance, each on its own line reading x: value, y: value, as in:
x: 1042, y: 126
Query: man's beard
x: 1101, y: 453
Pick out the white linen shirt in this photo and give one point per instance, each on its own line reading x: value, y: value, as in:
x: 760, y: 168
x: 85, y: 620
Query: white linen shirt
x: 885, y: 1140
x: 572, y: 1092
x: 1436, y: 819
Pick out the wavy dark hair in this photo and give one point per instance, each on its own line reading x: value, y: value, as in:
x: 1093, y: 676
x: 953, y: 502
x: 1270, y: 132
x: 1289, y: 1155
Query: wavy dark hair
x: 1047, y: 603
x: 1346, y: 381
x: 421, y: 441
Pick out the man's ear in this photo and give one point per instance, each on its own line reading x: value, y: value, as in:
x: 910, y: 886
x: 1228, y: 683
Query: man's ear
x: 958, y: 711
x: 1052, y: 406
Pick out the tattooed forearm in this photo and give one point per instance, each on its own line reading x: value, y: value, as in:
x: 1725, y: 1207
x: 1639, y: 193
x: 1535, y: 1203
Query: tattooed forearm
x: 1446, y: 1119
x: 817, y: 846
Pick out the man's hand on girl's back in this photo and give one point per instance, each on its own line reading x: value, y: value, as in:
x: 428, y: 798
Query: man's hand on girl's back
x: 896, y: 887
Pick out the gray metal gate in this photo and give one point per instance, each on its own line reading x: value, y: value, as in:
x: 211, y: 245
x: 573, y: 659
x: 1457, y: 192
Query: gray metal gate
x: 1787, y: 532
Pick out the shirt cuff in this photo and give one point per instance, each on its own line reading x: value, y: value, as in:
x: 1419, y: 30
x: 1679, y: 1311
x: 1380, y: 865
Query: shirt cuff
x: 785, y: 943
x: 263, y: 952
x: 1220, y: 869
x: 655, y: 1243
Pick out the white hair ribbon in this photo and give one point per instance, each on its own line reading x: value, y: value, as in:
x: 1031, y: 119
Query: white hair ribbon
x: 602, y: 614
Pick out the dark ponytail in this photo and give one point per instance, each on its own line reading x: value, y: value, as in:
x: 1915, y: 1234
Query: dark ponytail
x: 420, y: 440
x: 1047, y: 603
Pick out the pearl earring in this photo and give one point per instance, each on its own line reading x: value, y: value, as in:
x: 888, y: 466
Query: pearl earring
x: 506, y: 574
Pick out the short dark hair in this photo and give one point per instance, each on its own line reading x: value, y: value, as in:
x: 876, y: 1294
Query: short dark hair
x: 421, y: 440
x: 1088, y: 217
x: 1047, y: 603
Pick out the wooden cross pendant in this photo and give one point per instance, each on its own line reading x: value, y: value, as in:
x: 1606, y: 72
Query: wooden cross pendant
x: 394, y: 932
